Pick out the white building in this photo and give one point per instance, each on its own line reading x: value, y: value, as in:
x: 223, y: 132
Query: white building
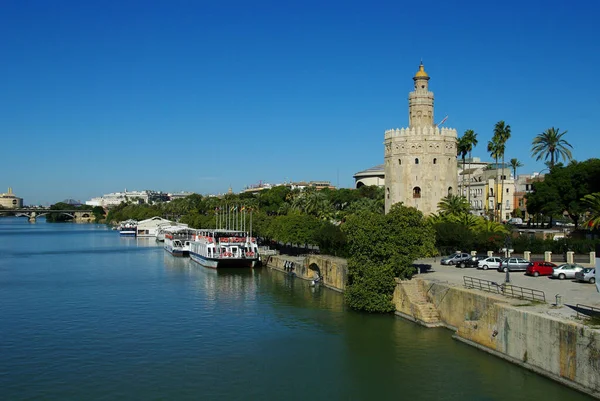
x: 371, y: 176
x: 116, y: 198
x: 149, y: 227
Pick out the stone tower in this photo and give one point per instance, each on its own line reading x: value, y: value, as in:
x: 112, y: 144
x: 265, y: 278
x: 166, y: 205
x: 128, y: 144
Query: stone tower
x: 420, y: 161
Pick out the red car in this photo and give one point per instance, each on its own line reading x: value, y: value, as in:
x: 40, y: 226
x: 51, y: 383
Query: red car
x: 540, y: 269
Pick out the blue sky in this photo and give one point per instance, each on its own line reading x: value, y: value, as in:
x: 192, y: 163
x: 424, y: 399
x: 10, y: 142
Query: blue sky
x: 197, y: 96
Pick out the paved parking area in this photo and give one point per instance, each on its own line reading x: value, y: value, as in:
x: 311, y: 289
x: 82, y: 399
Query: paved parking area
x: 572, y: 292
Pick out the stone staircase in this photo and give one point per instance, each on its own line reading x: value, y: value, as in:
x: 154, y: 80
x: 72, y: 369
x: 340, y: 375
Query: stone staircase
x: 422, y: 310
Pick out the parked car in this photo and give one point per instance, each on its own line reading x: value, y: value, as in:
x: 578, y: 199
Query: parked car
x: 513, y: 264
x: 492, y: 262
x: 473, y: 261
x: 587, y: 275
x: 566, y: 271
x: 455, y: 258
x: 540, y: 268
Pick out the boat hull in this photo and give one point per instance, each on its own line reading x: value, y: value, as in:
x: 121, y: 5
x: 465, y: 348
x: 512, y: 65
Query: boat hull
x: 177, y: 251
x: 220, y: 263
x: 127, y: 233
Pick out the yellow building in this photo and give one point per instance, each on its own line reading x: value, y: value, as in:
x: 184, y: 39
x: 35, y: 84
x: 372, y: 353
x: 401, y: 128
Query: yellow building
x: 10, y: 201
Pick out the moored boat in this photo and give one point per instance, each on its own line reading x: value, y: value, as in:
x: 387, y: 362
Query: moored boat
x: 128, y: 228
x: 224, y: 248
x: 178, y: 239
x: 163, y: 228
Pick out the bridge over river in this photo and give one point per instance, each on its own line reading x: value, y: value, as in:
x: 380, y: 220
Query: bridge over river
x: 79, y: 216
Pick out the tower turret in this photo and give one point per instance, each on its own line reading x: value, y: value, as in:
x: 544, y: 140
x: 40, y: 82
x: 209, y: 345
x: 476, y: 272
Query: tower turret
x: 420, y: 101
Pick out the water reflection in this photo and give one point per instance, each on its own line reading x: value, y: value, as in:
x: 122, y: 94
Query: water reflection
x: 216, y: 284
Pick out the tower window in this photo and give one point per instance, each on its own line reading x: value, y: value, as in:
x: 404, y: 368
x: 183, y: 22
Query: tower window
x: 388, y: 192
x: 422, y: 86
x: 399, y: 162
x: 417, y: 160
x: 449, y: 191
x: 416, y: 192
x: 434, y: 160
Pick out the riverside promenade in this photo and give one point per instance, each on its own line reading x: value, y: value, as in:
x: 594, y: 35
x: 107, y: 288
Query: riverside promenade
x: 570, y: 291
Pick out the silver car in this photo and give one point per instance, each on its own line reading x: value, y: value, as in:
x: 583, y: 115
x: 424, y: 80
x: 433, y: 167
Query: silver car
x: 566, y: 271
x: 513, y: 264
x: 587, y: 275
x: 455, y: 259
x: 492, y: 262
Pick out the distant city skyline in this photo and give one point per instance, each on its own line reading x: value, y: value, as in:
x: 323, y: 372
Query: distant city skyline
x: 202, y: 96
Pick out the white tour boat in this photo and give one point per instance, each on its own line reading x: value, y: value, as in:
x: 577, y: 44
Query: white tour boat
x: 224, y: 248
x: 178, y: 239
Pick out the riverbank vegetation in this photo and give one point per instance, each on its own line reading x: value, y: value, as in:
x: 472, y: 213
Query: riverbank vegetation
x: 382, y: 247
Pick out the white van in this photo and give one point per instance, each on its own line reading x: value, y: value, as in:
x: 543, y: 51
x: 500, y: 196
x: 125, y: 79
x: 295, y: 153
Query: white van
x: 515, y: 220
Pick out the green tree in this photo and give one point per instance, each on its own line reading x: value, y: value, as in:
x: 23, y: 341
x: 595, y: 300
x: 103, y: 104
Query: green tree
x: 470, y: 138
x: 550, y: 144
x: 502, y: 132
x: 592, y: 204
x: 382, y: 247
x: 331, y: 239
x: 494, y: 147
x: 462, y: 149
x: 59, y: 217
x: 454, y: 205
x: 563, y: 188
x: 515, y: 164
x: 270, y: 200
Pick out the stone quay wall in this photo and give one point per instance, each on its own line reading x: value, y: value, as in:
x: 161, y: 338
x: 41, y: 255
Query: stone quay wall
x: 563, y: 350
x: 333, y: 271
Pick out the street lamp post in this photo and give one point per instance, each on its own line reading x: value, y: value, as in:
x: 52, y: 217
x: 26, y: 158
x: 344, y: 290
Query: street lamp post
x: 507, y: 244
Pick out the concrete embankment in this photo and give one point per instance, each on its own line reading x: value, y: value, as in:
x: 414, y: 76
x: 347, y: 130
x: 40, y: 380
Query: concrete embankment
x: 530, y: 335
x: 566, y: 351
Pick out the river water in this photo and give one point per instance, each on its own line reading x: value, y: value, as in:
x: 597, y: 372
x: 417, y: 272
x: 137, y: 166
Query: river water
x: 87, y: 315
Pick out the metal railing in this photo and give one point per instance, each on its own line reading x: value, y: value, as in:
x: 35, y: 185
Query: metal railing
x: 591, y: 311
x: 508, y: 290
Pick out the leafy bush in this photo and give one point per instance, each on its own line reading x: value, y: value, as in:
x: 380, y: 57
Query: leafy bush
x: 382, y: 247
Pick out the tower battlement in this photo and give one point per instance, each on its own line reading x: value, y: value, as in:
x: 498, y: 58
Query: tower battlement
x: 420, y: 131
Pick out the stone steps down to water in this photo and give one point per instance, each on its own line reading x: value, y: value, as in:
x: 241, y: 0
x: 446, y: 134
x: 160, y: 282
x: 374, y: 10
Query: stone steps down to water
x: 412, y: 299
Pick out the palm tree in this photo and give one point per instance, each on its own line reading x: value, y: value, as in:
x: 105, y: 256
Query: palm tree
x: 462, y: 148
x: 550, y: 144
x: 487, y: 226
x: 470, y: 138
x: 454, y: 205
x: 493, y: 147
x: 515, y: 164
x: 502, y: 131
x: 592, y: 202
